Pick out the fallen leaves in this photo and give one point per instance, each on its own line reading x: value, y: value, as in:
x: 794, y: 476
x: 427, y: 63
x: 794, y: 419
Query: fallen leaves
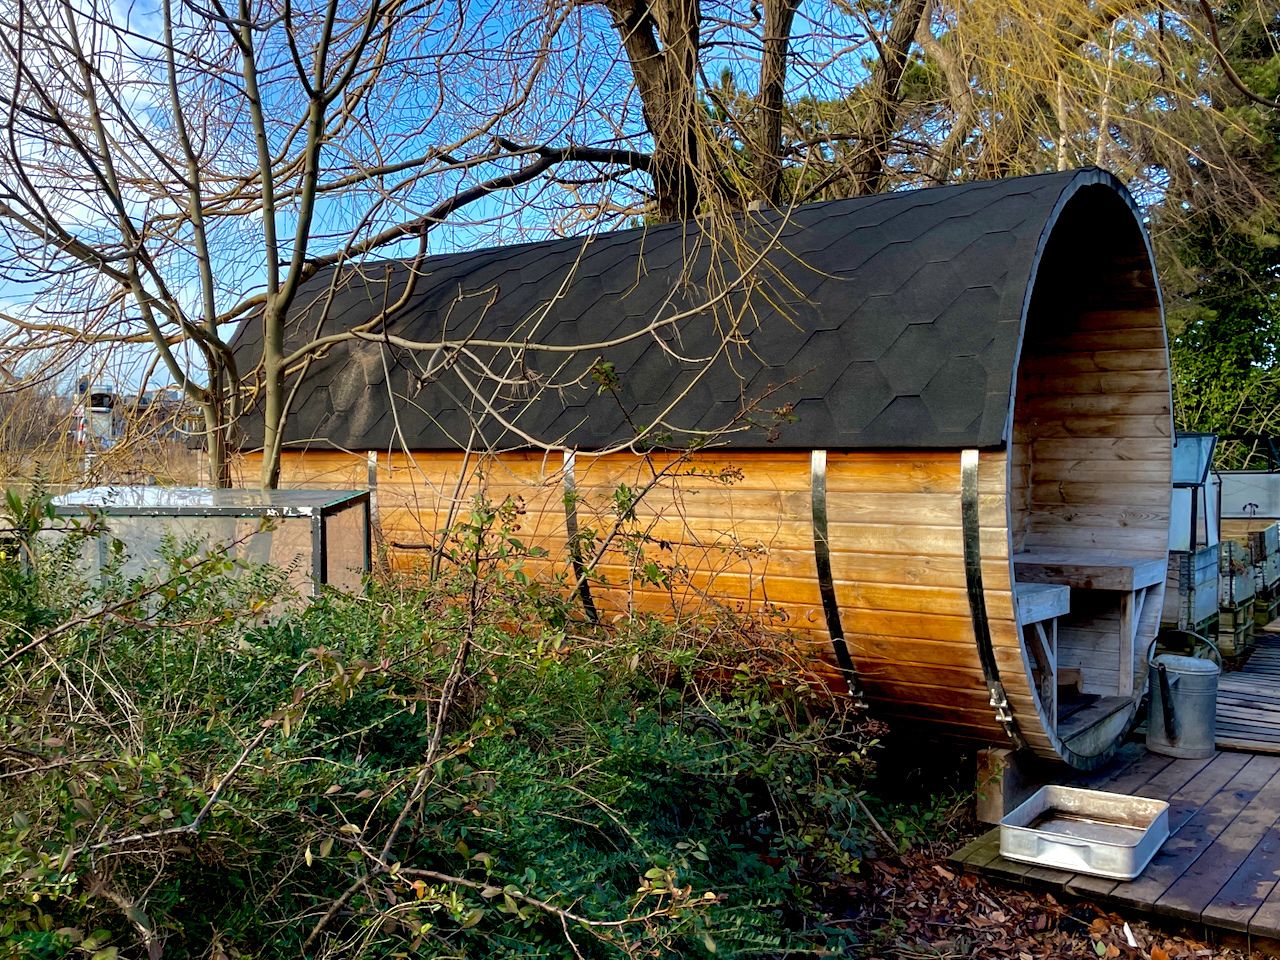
x: 917, y: 905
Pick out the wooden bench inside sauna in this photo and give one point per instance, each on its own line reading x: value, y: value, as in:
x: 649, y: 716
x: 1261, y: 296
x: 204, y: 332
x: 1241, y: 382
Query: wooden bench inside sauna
x: 961, y: 514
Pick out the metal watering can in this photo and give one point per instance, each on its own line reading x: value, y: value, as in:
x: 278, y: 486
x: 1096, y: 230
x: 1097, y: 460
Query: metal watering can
x: 1182, y: 716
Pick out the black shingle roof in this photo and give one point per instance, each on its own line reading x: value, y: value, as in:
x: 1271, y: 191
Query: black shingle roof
x: 887, y: 321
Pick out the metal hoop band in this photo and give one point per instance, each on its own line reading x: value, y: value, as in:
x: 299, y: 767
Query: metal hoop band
x: 971, y: 524
x: 571, y: 531
x: 826, y: 584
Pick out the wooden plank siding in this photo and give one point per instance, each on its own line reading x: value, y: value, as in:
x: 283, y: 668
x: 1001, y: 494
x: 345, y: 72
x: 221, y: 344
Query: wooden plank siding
x: 1087, y: 469
x: 1090, y: 465
x: 925, y: 632
x: 738, y: 529
x: 1096, y: 452
x: 1045, y: 352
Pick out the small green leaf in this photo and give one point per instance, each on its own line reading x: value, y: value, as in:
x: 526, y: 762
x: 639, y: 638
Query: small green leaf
x: 95, y: 940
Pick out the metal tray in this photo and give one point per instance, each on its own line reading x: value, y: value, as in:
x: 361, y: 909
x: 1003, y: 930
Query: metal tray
x: 1086, y: 831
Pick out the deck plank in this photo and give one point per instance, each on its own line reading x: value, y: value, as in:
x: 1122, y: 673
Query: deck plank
x: 1249, y: 701
x: 1187, y: 785
x: 1197, y: 814
x: 978, y: 852
x: 1248, y: 746
x: 1221, y: 864
x: 1192, y: 893
x: 1013, y: 871
x: 1178, y: 777
x: 1128, y: 775
x: 1265, y: 922
x: 1155, y: 776
x: 1236, y: 902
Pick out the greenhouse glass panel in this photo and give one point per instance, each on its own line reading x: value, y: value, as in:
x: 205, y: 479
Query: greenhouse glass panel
x: 316, y: 537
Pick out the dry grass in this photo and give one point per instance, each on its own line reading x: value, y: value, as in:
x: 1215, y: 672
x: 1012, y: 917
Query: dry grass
x: 65, y: 465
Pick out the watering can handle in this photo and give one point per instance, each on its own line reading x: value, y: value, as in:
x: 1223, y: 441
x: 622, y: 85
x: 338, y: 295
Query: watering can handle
x: 1217, y: 654
x: 1166, y: 703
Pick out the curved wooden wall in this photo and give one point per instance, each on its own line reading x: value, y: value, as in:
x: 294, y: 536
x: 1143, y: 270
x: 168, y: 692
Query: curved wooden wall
x: 738, y: 528
x: 898, y: 562
x: 1090, y: 457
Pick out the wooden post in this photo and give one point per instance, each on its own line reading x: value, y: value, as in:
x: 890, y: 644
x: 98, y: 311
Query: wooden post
x: 1005, y: 778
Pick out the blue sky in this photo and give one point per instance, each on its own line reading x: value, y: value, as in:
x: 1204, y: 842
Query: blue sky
x: 447, y: 91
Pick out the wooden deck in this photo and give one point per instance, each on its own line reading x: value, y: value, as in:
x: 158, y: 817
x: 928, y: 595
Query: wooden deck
x: 1221, y: 864
x: 1249, y: 700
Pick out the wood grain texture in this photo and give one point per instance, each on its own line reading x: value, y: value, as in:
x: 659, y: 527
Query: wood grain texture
x: 738, y: 531
x: 1198, y: 812
x: 1202, y: 882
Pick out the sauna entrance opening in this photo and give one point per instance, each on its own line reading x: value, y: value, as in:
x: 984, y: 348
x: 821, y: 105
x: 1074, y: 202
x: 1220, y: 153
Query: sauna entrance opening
x: 1089, y: 463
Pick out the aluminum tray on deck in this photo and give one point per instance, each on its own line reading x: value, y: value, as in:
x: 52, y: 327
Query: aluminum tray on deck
x: 1086, y: 831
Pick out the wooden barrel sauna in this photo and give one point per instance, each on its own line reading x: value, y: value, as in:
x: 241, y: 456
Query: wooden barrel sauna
x: 927, y: 433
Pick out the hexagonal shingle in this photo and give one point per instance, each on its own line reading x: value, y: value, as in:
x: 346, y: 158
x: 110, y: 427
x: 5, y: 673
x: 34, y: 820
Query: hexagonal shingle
x: 885, y: 272
x: 889, y: 321
x: 956, y: 393
x: 934, y: 283
x: 912, y: 359
x: 870, y: 330
x: 965, y: 322
x: 904, y: 415
x: 866, y: 381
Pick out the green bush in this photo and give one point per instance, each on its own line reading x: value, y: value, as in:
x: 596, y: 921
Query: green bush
x: 458, y: 770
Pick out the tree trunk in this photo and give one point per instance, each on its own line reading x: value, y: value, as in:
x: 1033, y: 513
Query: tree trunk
x: 882, y: 114
x: 274, y: 395
x: 661, y: 42
x: 215, y: 434
x: 778, y: 18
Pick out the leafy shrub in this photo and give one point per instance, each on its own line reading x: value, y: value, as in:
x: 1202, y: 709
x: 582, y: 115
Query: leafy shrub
x: 463, y: 769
